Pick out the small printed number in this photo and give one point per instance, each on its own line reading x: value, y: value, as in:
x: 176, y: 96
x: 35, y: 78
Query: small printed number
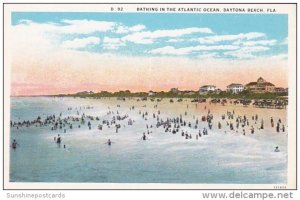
x: 280, y: 187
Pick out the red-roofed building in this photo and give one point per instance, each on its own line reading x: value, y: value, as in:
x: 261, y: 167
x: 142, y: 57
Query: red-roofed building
x: 260, y: 86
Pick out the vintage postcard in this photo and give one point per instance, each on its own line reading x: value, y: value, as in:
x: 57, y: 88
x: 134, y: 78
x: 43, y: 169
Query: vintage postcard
x: 149, y: 96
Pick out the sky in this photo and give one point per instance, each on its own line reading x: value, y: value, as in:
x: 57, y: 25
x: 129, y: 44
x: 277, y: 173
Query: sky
x: 55, y: 53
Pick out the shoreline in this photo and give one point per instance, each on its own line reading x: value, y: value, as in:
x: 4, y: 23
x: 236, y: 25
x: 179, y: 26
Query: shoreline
x: 150, y: 97
x: 246, y: 94
x: 255, y: 103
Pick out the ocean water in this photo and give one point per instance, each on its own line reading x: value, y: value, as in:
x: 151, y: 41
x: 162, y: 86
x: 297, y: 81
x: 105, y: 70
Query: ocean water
x: 219, y: 157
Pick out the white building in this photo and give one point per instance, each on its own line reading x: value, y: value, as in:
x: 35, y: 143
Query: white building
x: 207, y: 88
x: 151, y: 93
x: 235, y: 88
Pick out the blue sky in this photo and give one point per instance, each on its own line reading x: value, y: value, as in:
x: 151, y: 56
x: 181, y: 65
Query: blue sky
x: 226, y: 36
x: 69, y: 52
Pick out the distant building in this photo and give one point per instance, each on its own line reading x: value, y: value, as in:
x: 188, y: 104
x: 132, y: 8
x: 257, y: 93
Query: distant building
x: 235, y: 88
x: 260, y: 86
x: 174, y: 90
x: 151, y: 93
x: 85, y: 93
x: 281, y: 90
x: 207, y: 88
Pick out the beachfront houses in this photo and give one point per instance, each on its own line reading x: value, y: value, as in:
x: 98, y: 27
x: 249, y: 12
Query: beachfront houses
x: 206, y: 89
x: 260, y: 86
x: 235, y: 88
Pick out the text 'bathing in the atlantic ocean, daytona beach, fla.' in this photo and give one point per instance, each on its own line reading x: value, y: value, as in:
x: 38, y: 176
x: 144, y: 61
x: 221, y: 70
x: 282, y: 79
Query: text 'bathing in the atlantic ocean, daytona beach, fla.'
x: 206, y: 10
